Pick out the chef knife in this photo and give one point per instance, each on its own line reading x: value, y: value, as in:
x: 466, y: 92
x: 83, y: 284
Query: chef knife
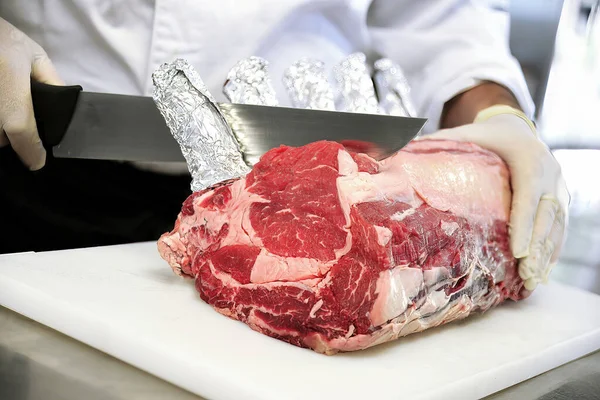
x: 78, y: 124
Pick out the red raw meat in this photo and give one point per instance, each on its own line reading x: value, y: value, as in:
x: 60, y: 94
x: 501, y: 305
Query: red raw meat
x: 334, y: 251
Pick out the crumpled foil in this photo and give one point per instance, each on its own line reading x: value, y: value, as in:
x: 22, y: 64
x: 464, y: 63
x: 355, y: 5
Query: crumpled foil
x: 195, y: 121
x: 307, y: 85
x: 248, y: 82
x: 393, y: 89
x: 355, y: 90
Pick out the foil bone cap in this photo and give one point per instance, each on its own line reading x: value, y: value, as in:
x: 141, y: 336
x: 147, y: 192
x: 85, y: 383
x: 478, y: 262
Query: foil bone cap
x: 248, y: 82
x: 355, y: 90
x: 393, y: 89
x: 209, y: 146
x: 307, y: 85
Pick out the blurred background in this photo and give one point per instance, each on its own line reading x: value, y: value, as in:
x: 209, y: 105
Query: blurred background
x: 561, y: 60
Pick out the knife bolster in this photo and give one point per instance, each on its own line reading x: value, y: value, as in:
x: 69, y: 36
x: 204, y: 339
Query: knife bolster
x: 53, y: 107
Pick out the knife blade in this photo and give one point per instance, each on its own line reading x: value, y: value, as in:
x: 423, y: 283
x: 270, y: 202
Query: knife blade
x: 77, y: 124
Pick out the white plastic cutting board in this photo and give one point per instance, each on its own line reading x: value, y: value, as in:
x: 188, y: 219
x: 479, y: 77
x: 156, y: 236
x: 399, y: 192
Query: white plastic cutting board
x: 125, y: 301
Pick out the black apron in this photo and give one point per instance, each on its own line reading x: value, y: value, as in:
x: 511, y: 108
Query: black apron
x: 73, y: 203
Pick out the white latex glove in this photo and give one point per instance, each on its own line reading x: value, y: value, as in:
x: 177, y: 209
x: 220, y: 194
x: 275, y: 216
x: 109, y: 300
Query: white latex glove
x: 21, y: 59
x: 539, y: 212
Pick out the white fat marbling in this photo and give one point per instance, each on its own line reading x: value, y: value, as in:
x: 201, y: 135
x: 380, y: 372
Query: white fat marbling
x: 384, y: 235
x: 395, y: 289
x: 346, y: 164
x: 399, y: 216
x: 449, y: 227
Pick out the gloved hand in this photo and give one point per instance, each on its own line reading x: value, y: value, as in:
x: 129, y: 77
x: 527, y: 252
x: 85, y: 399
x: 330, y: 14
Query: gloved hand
x: 21, y: 59
x: 539, y: 212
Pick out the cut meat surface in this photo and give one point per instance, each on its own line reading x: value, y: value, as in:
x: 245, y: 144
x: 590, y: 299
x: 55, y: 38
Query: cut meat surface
x: 331, y: 250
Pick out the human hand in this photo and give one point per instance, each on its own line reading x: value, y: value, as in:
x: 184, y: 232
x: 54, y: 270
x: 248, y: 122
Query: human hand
x: 539, y: 212
x: 21, y: 59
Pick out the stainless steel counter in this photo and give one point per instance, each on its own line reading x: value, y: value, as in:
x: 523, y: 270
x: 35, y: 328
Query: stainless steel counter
x: 38, y: 363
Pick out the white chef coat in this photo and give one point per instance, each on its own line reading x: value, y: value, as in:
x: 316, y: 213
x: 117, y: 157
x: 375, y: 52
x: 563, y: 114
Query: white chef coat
x: 444, y: 46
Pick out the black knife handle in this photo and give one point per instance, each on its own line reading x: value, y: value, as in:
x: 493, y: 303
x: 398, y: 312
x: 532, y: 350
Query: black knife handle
x: 53, y: 107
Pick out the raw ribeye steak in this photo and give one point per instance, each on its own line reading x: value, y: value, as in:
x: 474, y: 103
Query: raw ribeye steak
x: 334, y: 251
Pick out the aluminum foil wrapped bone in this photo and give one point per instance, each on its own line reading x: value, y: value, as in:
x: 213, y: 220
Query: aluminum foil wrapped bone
x: 307, y: 85
x: 393, y: 89
x: 195, y: 121
x: 355, y: 90
x: 248, y: 82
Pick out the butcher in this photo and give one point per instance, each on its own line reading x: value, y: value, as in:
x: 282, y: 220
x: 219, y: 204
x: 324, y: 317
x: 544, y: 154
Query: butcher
x: 454, y: 53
